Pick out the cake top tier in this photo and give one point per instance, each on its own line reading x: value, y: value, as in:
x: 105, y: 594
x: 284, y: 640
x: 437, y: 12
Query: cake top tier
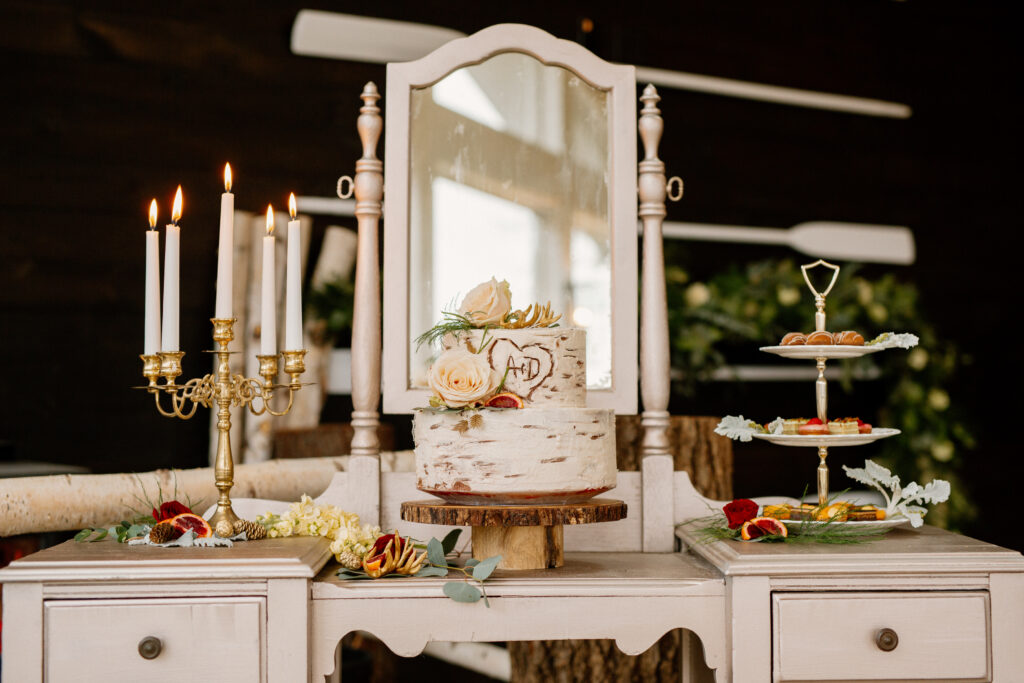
x: 545, y: 366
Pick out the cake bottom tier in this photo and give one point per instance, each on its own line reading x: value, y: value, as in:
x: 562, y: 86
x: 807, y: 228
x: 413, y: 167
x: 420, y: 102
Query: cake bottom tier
x: 510, y: 457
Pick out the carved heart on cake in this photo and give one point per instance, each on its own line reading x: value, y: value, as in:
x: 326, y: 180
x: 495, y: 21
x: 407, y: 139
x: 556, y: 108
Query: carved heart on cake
x: 528, y: 366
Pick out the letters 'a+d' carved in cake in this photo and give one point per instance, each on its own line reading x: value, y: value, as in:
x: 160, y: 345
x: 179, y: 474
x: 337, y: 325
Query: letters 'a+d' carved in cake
x: 528, y: 366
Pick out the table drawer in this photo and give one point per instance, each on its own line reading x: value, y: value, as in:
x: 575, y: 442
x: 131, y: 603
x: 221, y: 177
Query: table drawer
x: 939, y: 636
x: 197, y: 639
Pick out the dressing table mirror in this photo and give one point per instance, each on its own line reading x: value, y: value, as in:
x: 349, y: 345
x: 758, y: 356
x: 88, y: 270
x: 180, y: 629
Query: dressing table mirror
x: 511, y: 154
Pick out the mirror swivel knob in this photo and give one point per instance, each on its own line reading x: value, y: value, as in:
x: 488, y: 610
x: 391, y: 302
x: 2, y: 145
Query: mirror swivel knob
x: 676, y: 195
x: 150, y: 647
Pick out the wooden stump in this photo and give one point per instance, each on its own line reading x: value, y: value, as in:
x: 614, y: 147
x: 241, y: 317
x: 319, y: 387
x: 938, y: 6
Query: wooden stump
x: 526, y: 536
x: 707, y: 457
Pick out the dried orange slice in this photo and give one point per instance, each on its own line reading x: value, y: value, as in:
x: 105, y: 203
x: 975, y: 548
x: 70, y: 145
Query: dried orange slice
x: 777, y: 511
x: 187, y: 520
x: 836, y: 511
x: 762, y: 526
x: 505, y: 399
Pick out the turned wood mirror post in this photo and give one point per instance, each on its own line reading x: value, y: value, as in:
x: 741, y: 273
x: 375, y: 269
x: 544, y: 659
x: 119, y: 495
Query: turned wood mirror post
x: 366, y: 317
x: 657, y: 464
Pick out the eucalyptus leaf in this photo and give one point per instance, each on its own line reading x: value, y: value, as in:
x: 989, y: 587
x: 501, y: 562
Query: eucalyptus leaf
x: 472, y: 562
x: 82, y: 535
x: 435, y: 552
x: 484, y: 569
x: 460, y: 591
x: 345, y: 574
x: 137, y: 530
x: 432, y: 571
x: 449, y: 541
x: 100, y: 535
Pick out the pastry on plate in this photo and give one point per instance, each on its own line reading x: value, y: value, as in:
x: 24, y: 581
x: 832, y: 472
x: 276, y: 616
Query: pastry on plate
x: 846, y: 425
x: 794, y: 339
x: 848, y: 338
x: 820, y: 338
x: 813, y: 427
x: 792, y: 425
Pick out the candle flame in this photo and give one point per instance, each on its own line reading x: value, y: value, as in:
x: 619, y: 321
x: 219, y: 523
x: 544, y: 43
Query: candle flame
x: 292, y: 210
x: 176, y: 212
x: 152, y: 215
x: 227, y: 177
x: 270, y: 219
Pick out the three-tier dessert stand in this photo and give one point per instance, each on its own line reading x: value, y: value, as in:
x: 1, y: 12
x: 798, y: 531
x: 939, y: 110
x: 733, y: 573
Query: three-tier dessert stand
x: 821, y: 353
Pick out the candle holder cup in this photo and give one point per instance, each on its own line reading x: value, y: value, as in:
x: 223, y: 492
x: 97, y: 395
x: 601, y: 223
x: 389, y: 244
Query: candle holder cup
x: 226, y: 390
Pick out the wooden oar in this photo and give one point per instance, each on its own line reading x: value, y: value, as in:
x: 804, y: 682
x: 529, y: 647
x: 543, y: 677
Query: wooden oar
x: 824, y: 239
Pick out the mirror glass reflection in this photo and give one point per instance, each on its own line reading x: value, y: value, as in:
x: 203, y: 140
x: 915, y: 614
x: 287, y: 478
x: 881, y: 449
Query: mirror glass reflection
x: 509, y: 177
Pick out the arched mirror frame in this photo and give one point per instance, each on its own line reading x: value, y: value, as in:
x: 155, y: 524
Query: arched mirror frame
x: 620, y: 83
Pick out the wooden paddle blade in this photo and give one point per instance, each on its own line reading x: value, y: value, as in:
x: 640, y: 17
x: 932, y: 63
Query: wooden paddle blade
x: 854, y: 242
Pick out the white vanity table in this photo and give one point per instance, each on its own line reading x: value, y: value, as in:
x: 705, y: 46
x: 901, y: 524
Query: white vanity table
x: 918, y: 605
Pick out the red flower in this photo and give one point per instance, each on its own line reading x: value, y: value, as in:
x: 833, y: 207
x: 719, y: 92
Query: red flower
x: 382, y: 541
x: 740, y: 511
x: 171, y: 508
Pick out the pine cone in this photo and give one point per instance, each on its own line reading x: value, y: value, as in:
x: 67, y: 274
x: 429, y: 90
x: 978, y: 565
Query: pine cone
x: 163, y: 532
x: 349, y: 560
x: 224, y: 529
x: 253, y: 531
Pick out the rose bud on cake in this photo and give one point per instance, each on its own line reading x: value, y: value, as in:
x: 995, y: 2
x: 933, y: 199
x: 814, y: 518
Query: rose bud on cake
x: 488, y: 303
x: 461, y: 379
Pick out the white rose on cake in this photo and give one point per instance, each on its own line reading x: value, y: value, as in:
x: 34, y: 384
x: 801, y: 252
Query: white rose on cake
x: 488, y: 303
x: 460, y: 378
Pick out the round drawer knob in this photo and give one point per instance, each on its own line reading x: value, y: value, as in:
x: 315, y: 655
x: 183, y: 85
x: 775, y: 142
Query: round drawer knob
x: 150, y: 647
x: 887, y: 640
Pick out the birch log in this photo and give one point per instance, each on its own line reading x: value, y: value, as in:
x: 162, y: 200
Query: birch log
x: 65, y: 502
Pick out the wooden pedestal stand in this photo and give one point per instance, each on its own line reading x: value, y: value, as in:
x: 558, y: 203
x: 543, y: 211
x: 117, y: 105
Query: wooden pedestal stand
x: 526, y: 536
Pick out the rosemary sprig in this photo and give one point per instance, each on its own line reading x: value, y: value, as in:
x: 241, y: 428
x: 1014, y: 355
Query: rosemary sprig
x: 451, y: 323
x: 714, y: 528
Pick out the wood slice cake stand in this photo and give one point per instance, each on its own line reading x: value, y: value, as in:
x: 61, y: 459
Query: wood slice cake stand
x: 526, y: 536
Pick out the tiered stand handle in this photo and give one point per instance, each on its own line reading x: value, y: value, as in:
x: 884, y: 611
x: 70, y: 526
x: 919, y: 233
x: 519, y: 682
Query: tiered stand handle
x: 821, y: 384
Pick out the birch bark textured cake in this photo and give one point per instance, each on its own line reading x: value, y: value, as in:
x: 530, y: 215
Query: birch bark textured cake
x: 508, y: 421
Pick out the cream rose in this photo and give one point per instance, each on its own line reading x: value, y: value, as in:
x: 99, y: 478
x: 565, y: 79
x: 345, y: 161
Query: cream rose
x: 488, y: 303
x: 460, y: 378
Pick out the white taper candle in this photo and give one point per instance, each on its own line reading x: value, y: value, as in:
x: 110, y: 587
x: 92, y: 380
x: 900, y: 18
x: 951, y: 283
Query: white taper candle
x: 293, y: 283
x: 151, y: 343
x: 172, y: 243
x: 226, y: 250
x: 268, y: 298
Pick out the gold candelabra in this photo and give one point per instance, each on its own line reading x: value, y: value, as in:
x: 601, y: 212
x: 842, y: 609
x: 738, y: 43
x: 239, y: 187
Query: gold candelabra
x: 227, y: 390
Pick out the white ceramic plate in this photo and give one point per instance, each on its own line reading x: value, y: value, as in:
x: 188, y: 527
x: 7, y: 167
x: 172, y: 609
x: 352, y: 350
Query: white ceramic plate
x: 866, y: 525
x: 810, y: 352
x: 828, y: 440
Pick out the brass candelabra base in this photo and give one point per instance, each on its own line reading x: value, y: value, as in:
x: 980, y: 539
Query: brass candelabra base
x: 225, y: 389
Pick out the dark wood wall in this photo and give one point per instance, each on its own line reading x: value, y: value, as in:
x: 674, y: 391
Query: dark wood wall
x: 109, y: 104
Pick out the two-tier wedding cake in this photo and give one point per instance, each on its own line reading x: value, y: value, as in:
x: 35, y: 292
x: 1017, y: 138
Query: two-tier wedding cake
x: 508, y: 421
